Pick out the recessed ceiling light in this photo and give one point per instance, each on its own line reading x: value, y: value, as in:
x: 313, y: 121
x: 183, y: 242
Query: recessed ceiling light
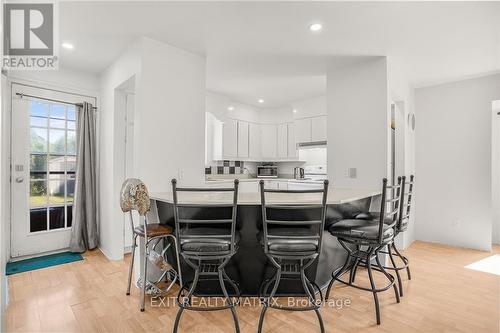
x: 294, y: 110
x: 260, y: 101
x: 230, y: 108
x: 68, y: 46
x: 315, y: 27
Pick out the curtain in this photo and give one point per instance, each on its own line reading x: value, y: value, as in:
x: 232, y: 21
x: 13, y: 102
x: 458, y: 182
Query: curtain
x: 84, y: 234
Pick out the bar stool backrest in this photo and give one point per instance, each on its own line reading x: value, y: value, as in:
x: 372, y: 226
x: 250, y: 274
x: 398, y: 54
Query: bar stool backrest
x: 309, y: 215
x: 134, y: 197
x: 187, y: 215
x: 405, y: 206
x: 389, y: 206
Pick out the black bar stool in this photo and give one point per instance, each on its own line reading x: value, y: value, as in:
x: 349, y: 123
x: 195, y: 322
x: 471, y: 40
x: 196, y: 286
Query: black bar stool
x: 363, y: 240
x: 206, y: 244
x: 291, y: 237
x: 401, y: 226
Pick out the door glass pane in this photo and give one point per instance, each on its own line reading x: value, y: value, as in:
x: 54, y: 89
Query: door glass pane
x: 38, y: 192
x: 56, y: 190
x: 39, y: 109
x: 56, y: 217
x: 71, y: 163
x: 38, y: 219
x: 71, y: 112
x: 71, y: 125
x: 38, y: 163
x: 57, y: 123
x: 58, y: 111
x: 70, y: 188
x: 57, y: 142
x: 69, y: 214
x: 38, y: 140
x: 38, y: 121
x: 57, y: 163
x: 71, y: 143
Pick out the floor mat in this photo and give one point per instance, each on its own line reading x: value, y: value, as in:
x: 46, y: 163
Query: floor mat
x: 42, y: 262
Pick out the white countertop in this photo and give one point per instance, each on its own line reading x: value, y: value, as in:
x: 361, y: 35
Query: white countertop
x: 335, y: 196
x: 248, y: 180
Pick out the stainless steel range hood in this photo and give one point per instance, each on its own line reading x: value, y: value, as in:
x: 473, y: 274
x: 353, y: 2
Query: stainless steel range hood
x: 313, y: 144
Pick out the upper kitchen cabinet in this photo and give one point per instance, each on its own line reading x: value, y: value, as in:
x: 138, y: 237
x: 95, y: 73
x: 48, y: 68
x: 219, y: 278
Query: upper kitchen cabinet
x: 318, y: 128
x: 254, y: 142
x: 291, y: 143
x: 310, y: 129
x: 282, y: 144
x: 242, y: 139
x: 303, y: 130
x: 268, y: 141
x: 230, y: 138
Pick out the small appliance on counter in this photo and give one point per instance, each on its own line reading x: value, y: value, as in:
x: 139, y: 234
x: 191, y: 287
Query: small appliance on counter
x: 267, y: 171
x: 315, y: 172
x: 298, y: 173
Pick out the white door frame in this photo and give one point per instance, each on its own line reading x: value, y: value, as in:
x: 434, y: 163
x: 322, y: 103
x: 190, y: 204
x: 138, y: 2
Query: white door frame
x: 33, y: 248
x: 495, y: 171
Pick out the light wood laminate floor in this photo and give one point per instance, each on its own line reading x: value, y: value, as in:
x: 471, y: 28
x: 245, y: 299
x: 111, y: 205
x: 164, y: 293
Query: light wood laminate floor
x: 89, y: 296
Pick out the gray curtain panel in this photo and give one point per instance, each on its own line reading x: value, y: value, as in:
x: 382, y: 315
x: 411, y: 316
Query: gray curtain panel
x: 84, y: 234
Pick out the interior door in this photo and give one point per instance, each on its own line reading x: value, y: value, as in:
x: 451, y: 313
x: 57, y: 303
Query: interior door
x: 43, y: 169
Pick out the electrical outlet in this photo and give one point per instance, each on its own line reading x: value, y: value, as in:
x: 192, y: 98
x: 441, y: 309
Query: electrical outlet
x: 180, y: 174
x: 352, y: 173
x: 456, y: 224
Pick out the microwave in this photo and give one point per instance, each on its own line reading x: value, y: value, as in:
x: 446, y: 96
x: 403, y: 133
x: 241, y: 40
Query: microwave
x: 267, y: 171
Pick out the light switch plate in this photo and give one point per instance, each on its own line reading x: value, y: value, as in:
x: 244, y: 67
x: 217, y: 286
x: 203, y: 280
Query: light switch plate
x: 353, y: 173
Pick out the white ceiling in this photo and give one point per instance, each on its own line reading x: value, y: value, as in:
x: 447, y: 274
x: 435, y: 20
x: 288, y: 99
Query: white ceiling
x: 265, y: 50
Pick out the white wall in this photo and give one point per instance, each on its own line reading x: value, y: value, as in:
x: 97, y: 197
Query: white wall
x: 112, y: 149
x: 311, y: 107
x: 358, y: 123
x: 453, y: 159
x: 172, y: 117
x: 495, y: 171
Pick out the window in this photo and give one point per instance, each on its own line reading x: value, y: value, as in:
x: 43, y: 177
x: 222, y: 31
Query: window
x: 52, y: 165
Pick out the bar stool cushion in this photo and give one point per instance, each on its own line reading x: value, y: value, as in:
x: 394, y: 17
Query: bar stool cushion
x: 375, y: 216
x: 289, y: 244
x: 361, y: 229
x: 154, y: 230
x: 207, y: 244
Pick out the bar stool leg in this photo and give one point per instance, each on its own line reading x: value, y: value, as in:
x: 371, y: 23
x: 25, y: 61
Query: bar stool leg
x: 405, y: 260
x: 398, y: 276
x: 311, y: 297
x: 271, y: 295
x: 388, y: 276
x: 338, y: 274
x: 144, y: 275
x: 372, y: 283
x: 131, y: 266
x: 190, y: 293
x: 230, y: 302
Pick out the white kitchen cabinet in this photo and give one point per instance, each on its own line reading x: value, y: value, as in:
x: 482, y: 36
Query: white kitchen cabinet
x: 268, y: 141
x: 291, y: 143
x: 303, y: 130
x: 242, y: 139
x: 304, y: 186
x: 318, y: 128
x: 282, y: 146
x: 254, y: 143
x: 230, y: 138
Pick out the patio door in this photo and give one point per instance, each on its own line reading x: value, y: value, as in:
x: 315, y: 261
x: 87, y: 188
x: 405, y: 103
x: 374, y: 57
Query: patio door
x: 43, y: 169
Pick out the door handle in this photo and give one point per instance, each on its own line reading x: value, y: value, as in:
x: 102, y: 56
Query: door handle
x: 19, y: 179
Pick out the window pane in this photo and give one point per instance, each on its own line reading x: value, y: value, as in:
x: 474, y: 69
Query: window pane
x: 57, y: 163
x: 38, y: 140
x: 38, y: 121
x: 71, y: 112
x: 71, y: 142
x: 58, y: 111
x: 57, y: 141
x: 56, y: 217
x: 70, y: 188
x: 38, y: 219
x: 39, y: 109
x: 38, y: 163
x: 71, y: 125
x: 38, y: 193
x: 69, y: 214
x: 56, y: 190
x: 71, y: 163
x: 57, y: 123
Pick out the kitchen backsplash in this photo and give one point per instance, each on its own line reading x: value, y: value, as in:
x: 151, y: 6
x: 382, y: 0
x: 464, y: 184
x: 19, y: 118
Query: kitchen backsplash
x: 225, y: 167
